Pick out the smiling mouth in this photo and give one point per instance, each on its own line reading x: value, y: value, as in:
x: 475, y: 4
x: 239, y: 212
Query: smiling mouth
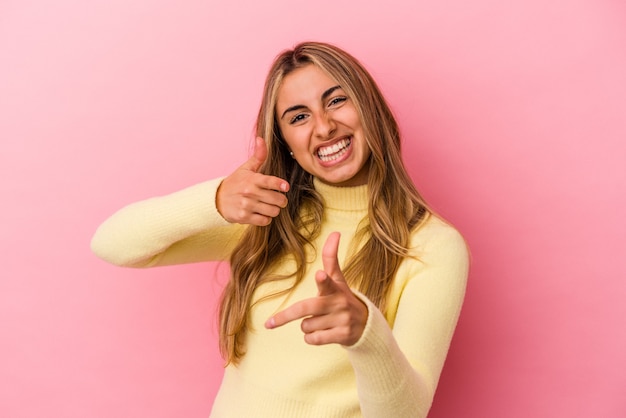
x: 335, y: 151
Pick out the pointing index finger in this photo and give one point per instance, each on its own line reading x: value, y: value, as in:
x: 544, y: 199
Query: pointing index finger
x: 296, y: 311
x: 273, y: 183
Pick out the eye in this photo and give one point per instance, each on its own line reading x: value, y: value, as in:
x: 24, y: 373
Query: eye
x: 298, y: 118
x: 337, y: 100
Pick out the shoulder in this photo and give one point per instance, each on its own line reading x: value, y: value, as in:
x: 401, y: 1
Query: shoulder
x: 438, y: 248
x: 436, y: 235
x: 436, y: 268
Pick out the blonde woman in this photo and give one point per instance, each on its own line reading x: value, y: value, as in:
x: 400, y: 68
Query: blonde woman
x: 345, y: 287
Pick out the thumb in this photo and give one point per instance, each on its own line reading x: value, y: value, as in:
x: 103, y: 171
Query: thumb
x: 329, y: 257
x: 258, y: 157
x: 325, y: 284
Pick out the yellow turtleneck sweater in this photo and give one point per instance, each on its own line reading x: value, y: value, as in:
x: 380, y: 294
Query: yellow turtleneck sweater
x: 392, y: 371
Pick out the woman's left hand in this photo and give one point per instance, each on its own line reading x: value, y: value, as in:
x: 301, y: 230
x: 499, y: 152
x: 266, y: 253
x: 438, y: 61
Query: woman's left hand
x: 335, y: 315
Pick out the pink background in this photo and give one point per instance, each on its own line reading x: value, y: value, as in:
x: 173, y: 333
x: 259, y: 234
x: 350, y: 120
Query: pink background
x: 514, y: 121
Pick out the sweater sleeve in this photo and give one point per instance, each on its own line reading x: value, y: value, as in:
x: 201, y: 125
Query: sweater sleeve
x: 182, y: 227
x: 397, y: 368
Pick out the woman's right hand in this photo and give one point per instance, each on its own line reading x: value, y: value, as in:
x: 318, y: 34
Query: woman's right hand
x: 249, y: 197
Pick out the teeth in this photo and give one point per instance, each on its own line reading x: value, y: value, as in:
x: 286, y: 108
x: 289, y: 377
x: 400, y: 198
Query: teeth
x: 333, y: 152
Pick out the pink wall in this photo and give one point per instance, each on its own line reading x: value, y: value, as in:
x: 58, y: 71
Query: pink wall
x: 514, y: 115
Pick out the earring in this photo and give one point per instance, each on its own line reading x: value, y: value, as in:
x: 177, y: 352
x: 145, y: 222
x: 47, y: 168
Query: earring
x: 291, y: 153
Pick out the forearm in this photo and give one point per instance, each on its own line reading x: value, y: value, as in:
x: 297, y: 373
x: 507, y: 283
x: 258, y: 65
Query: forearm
x: 388, y: 384
x: 181, y: 227
x: 398, y: 366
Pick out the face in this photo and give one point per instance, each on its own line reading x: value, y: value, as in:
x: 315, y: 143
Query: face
x: 322, y: 127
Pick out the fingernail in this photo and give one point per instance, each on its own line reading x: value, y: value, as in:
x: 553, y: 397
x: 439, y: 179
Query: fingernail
x: 283, y: 187
x: 270, y: 323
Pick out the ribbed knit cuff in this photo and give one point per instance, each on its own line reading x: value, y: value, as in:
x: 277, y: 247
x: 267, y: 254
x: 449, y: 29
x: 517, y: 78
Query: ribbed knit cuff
x: 376, y: 356
x: 386, y: 382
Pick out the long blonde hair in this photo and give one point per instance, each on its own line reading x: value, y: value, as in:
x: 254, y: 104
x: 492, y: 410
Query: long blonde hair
x: 395, y: 207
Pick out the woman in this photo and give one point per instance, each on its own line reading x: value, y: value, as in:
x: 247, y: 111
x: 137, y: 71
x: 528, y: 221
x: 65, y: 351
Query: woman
x: 311, y: 324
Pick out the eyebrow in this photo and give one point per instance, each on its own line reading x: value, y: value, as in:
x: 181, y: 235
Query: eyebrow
x: 325, y: 95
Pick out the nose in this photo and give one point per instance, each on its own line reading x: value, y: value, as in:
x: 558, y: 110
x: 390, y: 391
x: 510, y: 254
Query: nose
x: 324, y: 126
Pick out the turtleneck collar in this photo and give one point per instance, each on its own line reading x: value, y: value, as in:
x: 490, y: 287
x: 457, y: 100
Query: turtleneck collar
x: 342, y: 198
